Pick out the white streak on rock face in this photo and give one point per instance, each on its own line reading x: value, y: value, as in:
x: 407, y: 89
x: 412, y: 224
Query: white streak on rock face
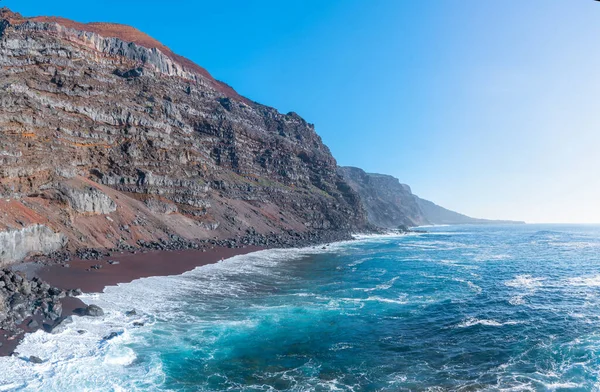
x: 89, y: 200
x: 15, y: 245
x: 116, y: 47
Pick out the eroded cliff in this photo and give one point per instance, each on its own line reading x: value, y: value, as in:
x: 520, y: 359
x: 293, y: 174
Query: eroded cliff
x: 391, y: 204
x: 107, y: 138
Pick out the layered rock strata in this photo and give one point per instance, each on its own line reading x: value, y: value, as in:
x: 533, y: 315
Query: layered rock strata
x: 103, y: 128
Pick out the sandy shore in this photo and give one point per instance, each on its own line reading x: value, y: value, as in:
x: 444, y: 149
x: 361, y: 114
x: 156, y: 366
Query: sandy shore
x: 127, y: 268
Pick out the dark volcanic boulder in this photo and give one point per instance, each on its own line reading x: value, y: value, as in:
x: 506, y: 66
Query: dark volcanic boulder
x: 93, y: 311
x: 32, y: 324
x: 111, y: 335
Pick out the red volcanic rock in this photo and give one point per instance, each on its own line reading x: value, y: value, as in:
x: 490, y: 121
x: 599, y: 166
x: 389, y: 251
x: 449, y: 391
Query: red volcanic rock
x: 108, y: 138
x: 128, y: 34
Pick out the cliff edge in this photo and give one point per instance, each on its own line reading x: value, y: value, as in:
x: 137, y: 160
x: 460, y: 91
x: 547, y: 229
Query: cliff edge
x: 108, y: 138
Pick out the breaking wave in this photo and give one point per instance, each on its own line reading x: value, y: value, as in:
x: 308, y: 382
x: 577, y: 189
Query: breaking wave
x: 381, y: 313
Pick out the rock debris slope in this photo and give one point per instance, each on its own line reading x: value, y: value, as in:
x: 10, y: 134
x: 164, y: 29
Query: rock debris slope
x: 107, y: 138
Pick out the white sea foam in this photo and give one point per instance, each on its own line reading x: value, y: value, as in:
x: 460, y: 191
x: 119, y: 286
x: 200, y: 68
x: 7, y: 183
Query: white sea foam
x: 472, y: 321
x: 585, y: 281
x: 474, y: 287
x: 341, y: 346
x: 525, y: 282
x: 400, y: 300
x: 437, y: 245
x: 575, y: 244
x: 397, y: 301
x: 77, y: 362
x: 561, y: 385
x: 383, y: 286
x: 490, y: 257
x: 390, y: 234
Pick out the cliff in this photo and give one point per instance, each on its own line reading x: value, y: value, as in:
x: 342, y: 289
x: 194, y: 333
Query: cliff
x: 391, y: 204
x: 388, y: 203
x: 108, y: 138
x: 437, y: 215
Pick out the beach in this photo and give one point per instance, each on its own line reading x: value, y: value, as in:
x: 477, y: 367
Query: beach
x: 118, y: 268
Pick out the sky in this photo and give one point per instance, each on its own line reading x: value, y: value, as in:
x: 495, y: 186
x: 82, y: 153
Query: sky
x: 489, y: 108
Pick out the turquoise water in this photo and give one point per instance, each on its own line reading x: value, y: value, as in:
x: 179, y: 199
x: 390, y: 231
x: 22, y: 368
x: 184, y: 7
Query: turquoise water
x: 459, y: 308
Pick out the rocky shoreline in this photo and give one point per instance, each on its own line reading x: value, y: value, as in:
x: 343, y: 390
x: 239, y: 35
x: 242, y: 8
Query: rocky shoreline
x: 42, y: 292
x: 287, y: 239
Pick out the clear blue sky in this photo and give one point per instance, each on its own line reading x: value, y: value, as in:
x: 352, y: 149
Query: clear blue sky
x: 489, y: 108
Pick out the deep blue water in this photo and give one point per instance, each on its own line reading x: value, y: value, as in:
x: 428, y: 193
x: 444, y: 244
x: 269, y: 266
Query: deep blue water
x: 460, y: 308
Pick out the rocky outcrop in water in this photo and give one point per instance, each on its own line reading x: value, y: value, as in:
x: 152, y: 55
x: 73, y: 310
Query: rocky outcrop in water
x: 391, y: 204
x: 108, y: 138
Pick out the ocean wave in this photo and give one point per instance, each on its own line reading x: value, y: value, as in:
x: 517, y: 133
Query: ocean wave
x: 489, y: 257
x: 400, y: 300
x: 525, y: 281
x: 341, y: 346
x: 383, y: 286
x: 517, y: 300
x: 232, y: 317
x: 474, y: 287
x: 388, y: 235
x: 397, y: 301
x: 437, y: 245
x: 74, y: 355
x: 585, y: 281
x: 472, y: 321
x: 575, y: 244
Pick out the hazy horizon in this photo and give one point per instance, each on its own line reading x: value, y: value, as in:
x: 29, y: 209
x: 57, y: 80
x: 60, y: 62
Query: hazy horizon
x: 484, y: 108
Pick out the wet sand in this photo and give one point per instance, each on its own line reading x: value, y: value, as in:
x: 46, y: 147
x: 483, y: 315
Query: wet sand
x: 129, y: 267
x: 132, y: 266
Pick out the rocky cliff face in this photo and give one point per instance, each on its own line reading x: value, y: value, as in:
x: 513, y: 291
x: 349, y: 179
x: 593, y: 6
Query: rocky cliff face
x: 442, y: 216
x: 391, y: 204
x: 388, y: 202
x: 107, y: 137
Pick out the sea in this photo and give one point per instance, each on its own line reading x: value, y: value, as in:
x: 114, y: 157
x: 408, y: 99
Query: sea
x: 458, y: 308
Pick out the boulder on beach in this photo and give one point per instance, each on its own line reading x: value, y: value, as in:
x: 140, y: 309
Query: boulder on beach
x: 93, y: 311
x: 74, y: 293
x: 61, y: 325
x: 32, y: 324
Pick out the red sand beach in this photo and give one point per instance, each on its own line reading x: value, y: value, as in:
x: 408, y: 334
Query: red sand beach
x: 129, y: 267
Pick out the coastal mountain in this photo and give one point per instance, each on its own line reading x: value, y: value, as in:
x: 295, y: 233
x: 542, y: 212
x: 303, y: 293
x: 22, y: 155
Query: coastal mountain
x: 388, y: 203
x: 108, y: 139
x: 437, y: 215
x: 391, y: 204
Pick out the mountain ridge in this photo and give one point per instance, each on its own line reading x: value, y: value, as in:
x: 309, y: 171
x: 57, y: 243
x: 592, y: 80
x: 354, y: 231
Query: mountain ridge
x: 390, y: 203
